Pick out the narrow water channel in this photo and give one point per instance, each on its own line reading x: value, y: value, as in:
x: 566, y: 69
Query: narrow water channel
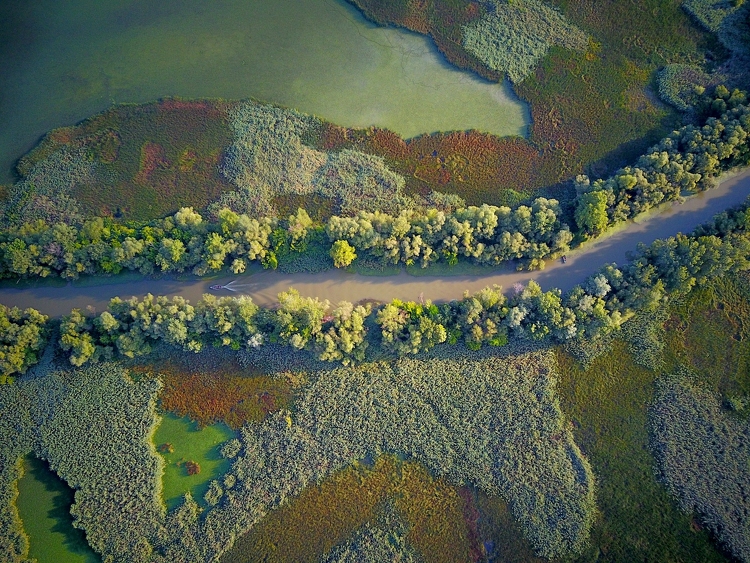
x: 61, y: 62
x: 337, y: 285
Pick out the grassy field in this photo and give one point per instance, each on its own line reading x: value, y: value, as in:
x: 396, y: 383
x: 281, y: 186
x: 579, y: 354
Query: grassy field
x: 310, y: 526
x: 150, y: 159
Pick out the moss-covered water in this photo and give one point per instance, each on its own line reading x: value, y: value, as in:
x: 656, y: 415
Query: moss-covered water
x: 44, y: 506
x: 182, y: 443
x: 63, y: 61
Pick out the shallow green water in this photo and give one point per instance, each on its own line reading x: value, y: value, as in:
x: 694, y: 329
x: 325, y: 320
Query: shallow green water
x: 44, y: 506
x: 190, y: 443
x: 63, y: 61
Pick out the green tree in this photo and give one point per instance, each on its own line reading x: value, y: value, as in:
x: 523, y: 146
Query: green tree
x: 591, y: 212
x: 342, y: 253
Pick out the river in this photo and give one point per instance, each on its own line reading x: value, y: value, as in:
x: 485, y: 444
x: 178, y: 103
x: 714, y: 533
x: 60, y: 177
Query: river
x: 337, y: 285
x: 61, y: 62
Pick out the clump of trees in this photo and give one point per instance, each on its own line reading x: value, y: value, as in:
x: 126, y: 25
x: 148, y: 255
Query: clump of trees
x: 687, y: 161
x: 486, y: 234
x: 600, y: 305
x: 23, y: 336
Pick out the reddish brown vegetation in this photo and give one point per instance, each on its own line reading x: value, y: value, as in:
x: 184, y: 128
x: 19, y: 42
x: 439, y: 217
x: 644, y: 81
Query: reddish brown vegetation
x: 471, y: 518
x: 477, y: 166
x: 192, y: 467
x: 209, y: 392
x: 152, y: 158
x: 166, y: 448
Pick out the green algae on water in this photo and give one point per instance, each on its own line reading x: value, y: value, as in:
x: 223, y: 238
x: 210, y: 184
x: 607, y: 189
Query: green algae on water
x: 44, y: 502
x: 181, y: 442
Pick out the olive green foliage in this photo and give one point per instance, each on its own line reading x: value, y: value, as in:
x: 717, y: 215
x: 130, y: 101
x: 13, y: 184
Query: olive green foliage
x: 45, y: 191
x: 679, y: 84
x: 513, y: 36
x: 711, y: 13
x: 269, y: 159
x: 688, y: 160
x: 702, y: 454
x: 22, y: 339
x: 376, y: 542
x: 492, y: 422
x: 94, y: 428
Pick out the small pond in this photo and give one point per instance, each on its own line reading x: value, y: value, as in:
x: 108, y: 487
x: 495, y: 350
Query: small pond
x: 182, y: 443
x: 63, y: 61
x: 44, y: 502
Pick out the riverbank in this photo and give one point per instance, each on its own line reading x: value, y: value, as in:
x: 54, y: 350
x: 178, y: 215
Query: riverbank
x: 337, y: 285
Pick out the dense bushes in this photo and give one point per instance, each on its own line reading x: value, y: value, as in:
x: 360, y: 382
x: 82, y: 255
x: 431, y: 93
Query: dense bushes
x: 512, y: 37
x: 268, y: 160
x: 702, y: 455
x: 668, y: 267
x: 22, y: 338
x: 688, y: 160
x: 490, y: 422
x: 93, y: 426
x: 486, y: 234
x: 679, y: 84
x: 185, y: 242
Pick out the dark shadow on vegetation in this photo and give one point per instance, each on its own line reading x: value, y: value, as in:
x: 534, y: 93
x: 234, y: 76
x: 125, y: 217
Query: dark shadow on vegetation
x: 74, y: 540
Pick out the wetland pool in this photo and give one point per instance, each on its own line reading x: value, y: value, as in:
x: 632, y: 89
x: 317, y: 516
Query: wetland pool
x: 189, y: 443
x: 44, y: 507
x: 61, y: 62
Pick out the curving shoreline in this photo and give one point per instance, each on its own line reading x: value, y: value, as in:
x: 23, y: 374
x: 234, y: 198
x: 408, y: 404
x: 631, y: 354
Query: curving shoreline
x: 337, y: 285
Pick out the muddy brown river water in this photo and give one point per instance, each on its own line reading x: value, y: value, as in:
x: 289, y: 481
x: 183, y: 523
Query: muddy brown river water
x: 337, y: 285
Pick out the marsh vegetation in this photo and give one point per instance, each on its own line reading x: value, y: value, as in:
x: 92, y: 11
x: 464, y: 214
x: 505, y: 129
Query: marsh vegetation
x: 606, y: 423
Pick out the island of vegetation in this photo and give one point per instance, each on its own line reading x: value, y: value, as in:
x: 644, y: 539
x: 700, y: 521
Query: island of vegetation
x: 608, y: 422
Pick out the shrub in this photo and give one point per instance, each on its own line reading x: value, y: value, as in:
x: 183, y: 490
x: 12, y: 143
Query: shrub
x: 513, y: 36
x: 22, y: 339
x: 342, y: 254
x: 679, y: 85
x: 701, y: 455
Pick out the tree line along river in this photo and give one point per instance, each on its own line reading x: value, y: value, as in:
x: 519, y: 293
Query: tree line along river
x: 338, y: 285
